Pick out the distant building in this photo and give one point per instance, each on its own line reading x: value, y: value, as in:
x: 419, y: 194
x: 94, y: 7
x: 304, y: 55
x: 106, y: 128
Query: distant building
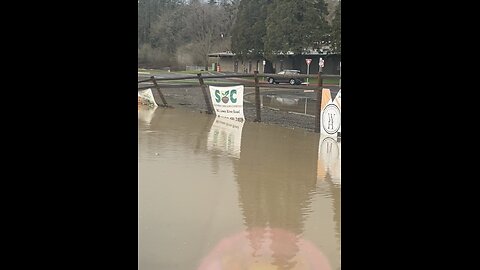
x: 228, y: 62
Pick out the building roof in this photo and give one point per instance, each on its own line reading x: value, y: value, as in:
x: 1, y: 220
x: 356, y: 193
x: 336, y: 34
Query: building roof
x: 308, y: 52
x: 221, y: 54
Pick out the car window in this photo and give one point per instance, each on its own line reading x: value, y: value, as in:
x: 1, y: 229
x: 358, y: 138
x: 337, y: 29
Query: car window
x: 281, y: 72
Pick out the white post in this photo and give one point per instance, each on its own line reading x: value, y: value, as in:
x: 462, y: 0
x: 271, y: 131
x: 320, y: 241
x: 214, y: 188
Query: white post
x: 308, y: 71
x: 340, y: 80
x: 308, y: 61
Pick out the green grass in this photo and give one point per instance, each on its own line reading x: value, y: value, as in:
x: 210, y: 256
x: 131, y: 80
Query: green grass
x: 325, y: 80
x: 191, y: 72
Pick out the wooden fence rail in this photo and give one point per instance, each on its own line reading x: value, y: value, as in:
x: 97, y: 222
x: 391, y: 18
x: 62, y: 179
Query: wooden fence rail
x: 206, y: 94
x: 241, y: 76
x: 246, y: 84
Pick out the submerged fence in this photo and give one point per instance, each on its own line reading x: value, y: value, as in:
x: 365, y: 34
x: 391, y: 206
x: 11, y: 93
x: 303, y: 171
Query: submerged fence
x: 317, y: 88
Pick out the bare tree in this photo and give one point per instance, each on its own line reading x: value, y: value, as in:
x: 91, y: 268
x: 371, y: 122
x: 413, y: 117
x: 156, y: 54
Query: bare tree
x: 203, y: 26
x: 190, y: 27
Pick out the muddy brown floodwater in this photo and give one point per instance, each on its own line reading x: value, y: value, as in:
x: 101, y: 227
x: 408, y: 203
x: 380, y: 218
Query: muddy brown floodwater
x: 220, y: 195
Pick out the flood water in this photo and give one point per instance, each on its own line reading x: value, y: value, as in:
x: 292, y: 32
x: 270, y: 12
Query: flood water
x: 285, y: 102
x: 290, y: 101
x: 215, y: 194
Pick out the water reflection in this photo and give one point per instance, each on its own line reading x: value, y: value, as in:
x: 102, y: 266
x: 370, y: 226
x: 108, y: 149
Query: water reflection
x: 329, y: 176
x: 285, y: 102
x: 281, y: 100
x: 145, y: 113
x: 226, y: 136
x: 329, y: 159
x: 276, y: 181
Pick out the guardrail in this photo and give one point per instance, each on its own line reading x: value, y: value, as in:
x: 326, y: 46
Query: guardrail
x: 256, y: 84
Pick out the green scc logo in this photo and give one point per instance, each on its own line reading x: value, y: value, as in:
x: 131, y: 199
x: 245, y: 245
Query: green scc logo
x: 225, y: 96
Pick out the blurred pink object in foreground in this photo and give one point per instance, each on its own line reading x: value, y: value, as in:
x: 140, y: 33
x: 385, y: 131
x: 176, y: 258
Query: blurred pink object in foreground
x: 265, y: 249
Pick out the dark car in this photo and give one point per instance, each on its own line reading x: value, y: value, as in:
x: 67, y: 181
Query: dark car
x: 291, y: 80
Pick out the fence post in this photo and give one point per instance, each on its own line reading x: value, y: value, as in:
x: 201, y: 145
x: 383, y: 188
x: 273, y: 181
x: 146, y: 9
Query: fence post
x: 319, y: 103
x: 159, y: 91
x: 257, y: 97
x: 205, y: 94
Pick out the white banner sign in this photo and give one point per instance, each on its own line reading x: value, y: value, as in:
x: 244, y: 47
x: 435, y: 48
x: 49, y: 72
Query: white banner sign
x: 228, y: 102
x: 330, y: 114
x: 338, y: 100
x: 146, y: 97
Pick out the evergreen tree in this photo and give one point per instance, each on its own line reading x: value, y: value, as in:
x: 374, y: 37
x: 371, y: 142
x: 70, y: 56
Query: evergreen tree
x: 296, y: 25
x: 337, y: 30
x: 249, y: 28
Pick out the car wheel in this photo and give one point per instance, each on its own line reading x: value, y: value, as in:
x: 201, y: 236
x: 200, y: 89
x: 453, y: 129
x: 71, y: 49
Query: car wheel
x: 293, y: 82
x: 270, y: 80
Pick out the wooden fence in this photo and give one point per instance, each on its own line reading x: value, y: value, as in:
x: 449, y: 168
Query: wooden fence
x: 317, y: 88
